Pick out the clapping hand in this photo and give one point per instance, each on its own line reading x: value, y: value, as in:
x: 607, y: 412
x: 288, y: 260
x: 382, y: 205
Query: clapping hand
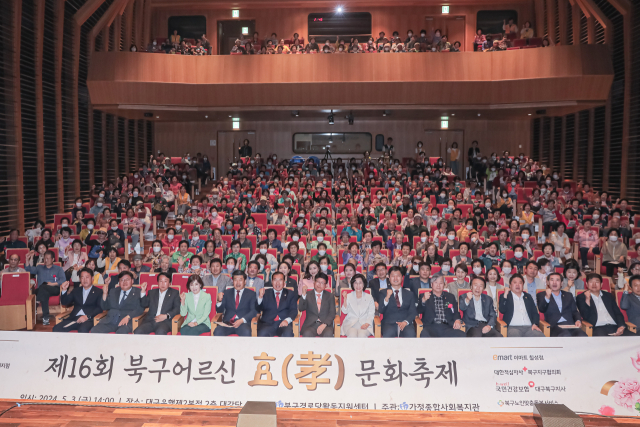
x: 143, y: 287
x: 64, y: 286
x: 261, y: 293
x: 183, y: 297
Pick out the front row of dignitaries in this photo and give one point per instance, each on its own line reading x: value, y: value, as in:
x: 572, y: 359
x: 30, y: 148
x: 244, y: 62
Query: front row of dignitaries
x: 397, y: 306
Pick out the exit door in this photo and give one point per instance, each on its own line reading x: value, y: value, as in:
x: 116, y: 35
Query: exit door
x: 229, y: 31
x: 438, y: 143
x: 228, y: 144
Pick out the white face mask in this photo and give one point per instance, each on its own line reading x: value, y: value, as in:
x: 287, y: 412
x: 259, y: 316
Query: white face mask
x: 320, y: 239
x: 525, y: 237
x: 170, y: 237
x: 613, y: 238
x: 230, y: 267
x: 548, y: 182
x: 423, y: 239
x: 157, y: 249
x: 263, y: 251
x: 324, y: 267
x: 446, y: 268
x: 596, y: 216
x: 135, y: 194
x: 90, y: 226
x: 178, y: 227
x: 322, y: 252
x: 506, y: 270
x: 477, y: 270
x: 518, y: 255
x: 416, y: 268
x: 469, y: 227
x: 114, y: 228
x: 295, y: 238
x: 451, y: 237
x: 79, y: 205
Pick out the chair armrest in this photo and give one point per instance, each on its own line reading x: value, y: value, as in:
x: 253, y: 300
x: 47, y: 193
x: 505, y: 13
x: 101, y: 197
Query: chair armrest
x: 60, y: 317
x: 501, y: 326
x: 136, y: 321
x: 254, y: 325
x: 176, y: 324
x: 377, y: 324
x: 296, y: 326
x: 30, y: 310
x: 216, y: 318
x: 631, y: 327
x: 576, y: 250
x: 587, y: 328
x: 419, y: 326
x: 336, y: 326
x: 463, y: 327
x: 97, y: 318
x: 597, y: 263
x: 545, y: 327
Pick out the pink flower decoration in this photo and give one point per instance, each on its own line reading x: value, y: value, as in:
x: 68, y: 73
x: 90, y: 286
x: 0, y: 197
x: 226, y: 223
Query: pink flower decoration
x: 450, y: 306
x: 606, y: 411
x: 636, y: 362
x: 626, y: 393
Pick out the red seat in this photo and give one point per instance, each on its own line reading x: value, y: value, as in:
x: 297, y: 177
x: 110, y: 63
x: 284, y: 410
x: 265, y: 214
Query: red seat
x: 180, y: 280
x: 22, y: 253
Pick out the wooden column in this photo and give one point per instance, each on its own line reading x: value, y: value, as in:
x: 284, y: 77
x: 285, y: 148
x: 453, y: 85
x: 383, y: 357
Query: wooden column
x: 144, y: 141
x: 551, y: 21
x: 551, y: 140
x: 59, y: 40
x: 117, y: 32
x: 91, y: 40
x: 576, y: 144
x: 136, y: 142
x: 147, y: 23
x: 39, y: 43
x: 127, y: 167
x: 590, y: 146
x: 128, y: 25
x: 17, y: 115
x: 562, y: 19
x: 563, y: 148
x: 77, y: 34
x: 575, y: 18
x: 591, y: 29
x: 539, y: 10
x: 115, y: 147
x: 140, y: 42
x: 105, y: 174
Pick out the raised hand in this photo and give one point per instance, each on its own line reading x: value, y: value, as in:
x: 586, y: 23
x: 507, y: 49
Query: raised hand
x: 220, y: 296
x: 183, y: 297
x: 389, y: 293
x: 426, y: 296
x: 548, y: 293
x: 469, y: 296
x: 304, y: 290
x: 64, y: 286
x: 143, y: 287
x: 261, y: 293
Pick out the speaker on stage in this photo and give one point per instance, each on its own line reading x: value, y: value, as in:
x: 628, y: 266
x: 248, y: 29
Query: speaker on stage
x: 548, y: 415
x: 258, y: 414
x: 380, y: 142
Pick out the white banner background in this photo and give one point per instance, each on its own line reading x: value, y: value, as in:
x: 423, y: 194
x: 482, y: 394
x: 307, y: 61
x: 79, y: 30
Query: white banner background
x: 493, y: 375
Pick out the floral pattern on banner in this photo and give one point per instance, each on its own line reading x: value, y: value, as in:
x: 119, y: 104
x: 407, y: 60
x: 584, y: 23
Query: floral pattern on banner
x: 625, y: 392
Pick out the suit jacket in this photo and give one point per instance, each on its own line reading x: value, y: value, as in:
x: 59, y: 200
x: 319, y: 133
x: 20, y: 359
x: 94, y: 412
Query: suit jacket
x: 630, y: 303
x: 506, y: 308
x: 91, y: 307
x: 551, y: 312
x: 199, y: 314
x: 359, y: 311
x: 143, y: 269
x: 246, y: 307
x: 413, y: 284
x: 170, y: 304
x: 288, y: 307
x: 469, y: 311
x: 258, y: 283
x: 590, y: 312
x: 429, y: 309
x: 392, y: 313
x: 327, y: 312
x: 131, y: 306
x: 374, y: 285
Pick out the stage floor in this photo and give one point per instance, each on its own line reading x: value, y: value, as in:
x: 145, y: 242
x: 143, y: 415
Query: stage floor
x: 82, y: 415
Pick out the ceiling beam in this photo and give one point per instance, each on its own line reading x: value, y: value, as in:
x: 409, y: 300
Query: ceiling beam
x: 87, y: 10
x: 108, y: 16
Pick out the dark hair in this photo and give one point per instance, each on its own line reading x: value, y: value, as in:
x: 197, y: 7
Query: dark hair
x: 86, y: 270
x: 167, y: 275
x: 516, y: 276
x: 125, y: 273
x: 597, y: 276
x: 634, y: 278
x: 238, y: 273
x: 394, y: 268
x: 559, y: 275
x: 484, y: 282
x: 125, y: 262
x: 196, y: 278
x: 531, y: 262
x: 359, y: 276
x: 322, y: 276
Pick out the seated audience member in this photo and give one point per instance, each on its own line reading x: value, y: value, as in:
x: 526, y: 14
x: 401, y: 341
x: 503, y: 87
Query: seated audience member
x: 614, y: 252
x: 379, y: 285
x: 278, y: 306
x: 398, y: 307
x: 49, y: 278
x: 360, y: 310
x: 479, y: 316
x: 85, y: 300
x: 560, y: 309
x: 531, y: 280
x: 631, y: 301
x: 572, y: 280
x: 519, y: 310
x: 460, y: 282
x: 217, y: 277
x: 423, y: 280
x: 253, y: 281
x: 195, y: 307
x: 440, y: 315
x: 123, y: 303
x: 238, y: 306
x: 163, y: 304
x: 13, y: 242
x: 320, y: 309
x: 600, y: 308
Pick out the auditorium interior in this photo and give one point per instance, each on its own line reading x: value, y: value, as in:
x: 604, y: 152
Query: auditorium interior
x: 141, y: 156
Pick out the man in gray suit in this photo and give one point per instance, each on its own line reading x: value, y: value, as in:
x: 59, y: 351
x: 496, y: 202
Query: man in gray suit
x: 123, y: 304
x: 531, y: 281
x: 253, y: 281
x: 479, y: 315
x: 216, y: 278
x: 320, y: 306
x: 631, y: 301
x: 163, y: 303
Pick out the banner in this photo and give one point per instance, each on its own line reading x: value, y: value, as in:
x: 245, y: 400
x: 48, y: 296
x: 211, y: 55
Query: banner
x: 597, y: 375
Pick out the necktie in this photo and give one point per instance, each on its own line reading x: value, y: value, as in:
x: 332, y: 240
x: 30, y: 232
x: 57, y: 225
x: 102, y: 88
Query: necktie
x: 397, y: 299
x: 237, y: 299
x: 277, y: 303
x: 124, y: 296
x: 319, y: 301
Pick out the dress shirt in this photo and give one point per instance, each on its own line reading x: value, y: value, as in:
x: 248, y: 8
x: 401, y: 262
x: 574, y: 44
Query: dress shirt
x: 477, y: 304
x: 531, y: 289
x: 393, y: 295
x: 520, y: 315
x: 85, y: 294
x: 161, y: 294
x: 235, y: 291
x: 604, y: 318
x: 278, y: 294
x: 558, y: 299
x: 383, y: 284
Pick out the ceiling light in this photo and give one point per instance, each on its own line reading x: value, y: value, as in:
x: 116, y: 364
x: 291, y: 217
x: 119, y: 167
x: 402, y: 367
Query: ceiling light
x: 339, y: 9
x: 295, y: 113
x: 478, y: 114
x: 529, y: 114
x: 230, y: 116
x: 157, y: 117
x: 206, y: 117
x: 453, y: 114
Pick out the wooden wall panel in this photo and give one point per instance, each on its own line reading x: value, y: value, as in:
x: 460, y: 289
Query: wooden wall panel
x: 178, y: 138
x: 286, y: 21
x: 39, y: 37
x: 565, y: 73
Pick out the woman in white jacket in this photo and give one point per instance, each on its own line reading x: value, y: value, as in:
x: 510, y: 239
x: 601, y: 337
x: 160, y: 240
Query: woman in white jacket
x: 359, y: 308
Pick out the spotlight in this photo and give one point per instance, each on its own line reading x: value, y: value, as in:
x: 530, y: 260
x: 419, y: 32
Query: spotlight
x: 386, y: 113
x: 206, y: 117
x: 349, y: 117
x: 339, y: 9
x: 330, y: 118
x: 478, y: 114
x: 157, y: 117
x: 295, y: 113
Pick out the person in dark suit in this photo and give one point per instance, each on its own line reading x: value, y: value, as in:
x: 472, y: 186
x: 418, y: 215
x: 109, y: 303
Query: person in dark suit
x: 320, y: 306
x: 479, y: 316
x: 163, y: 304
x: 380, y: 283
x: 631, y: 301
x: 421, y: 282
x: 440, y: 315
x: 397, y: 307
x: 519, y: 310
x: 279, y: 307
x: 123, y: 304
x: 599, y: 308
x: 86, y: 304
x: 559, y: 309
x: 239, y: 307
